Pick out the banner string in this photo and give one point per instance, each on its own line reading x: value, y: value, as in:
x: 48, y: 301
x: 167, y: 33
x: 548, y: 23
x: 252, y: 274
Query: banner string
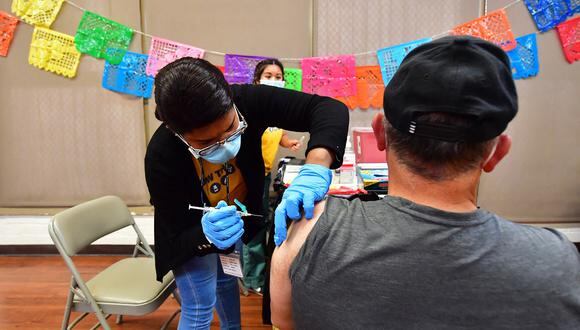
x: 511, y: 4
x: 287, y: 59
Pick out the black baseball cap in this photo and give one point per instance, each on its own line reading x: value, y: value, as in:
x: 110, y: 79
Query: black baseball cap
x: 460, y: 75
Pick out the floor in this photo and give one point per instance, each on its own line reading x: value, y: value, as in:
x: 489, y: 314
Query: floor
x: 33, y: 293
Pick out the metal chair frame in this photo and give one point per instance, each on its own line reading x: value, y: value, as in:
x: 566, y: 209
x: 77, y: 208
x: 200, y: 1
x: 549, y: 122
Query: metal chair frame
x: 79, y: 296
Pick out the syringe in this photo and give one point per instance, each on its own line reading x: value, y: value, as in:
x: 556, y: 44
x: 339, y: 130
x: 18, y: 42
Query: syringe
x: 211, y: 208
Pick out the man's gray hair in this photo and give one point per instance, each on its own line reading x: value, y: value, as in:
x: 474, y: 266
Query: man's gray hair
x: 437, y: 160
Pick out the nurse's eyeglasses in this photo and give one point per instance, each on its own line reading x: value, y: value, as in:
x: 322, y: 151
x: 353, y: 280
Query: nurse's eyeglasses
x: 211, y: 148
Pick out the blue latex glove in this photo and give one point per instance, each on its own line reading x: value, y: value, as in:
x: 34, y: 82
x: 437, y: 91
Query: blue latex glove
x: 223, y: 226
x: 307, y: 188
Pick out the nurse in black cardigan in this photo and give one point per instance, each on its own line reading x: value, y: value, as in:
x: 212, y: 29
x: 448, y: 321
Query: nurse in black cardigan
x: 207, y: 152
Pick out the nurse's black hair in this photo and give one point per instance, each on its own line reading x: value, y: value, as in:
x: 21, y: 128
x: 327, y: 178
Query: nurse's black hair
x: 261, y: 66
x: 191, y: 93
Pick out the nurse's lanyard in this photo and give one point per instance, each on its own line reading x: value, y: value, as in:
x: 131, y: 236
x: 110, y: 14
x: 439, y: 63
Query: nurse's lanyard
x: 203, y: 178
x: 244, y: 211
x: 231, y: 263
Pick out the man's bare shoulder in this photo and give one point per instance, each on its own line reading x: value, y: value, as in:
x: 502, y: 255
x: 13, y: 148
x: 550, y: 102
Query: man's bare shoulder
x: 298, y: 233
x: 280, y: 286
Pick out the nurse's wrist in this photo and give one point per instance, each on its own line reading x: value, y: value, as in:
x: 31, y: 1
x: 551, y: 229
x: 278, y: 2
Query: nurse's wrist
x: 320, y: 156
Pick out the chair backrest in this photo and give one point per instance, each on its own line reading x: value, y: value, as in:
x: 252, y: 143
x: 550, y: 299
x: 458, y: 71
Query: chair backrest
x: 81, y: 225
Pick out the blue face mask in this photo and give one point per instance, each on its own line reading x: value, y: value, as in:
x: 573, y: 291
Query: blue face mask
x: 224, y: 152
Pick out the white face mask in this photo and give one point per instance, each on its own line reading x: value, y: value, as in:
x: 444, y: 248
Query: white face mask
x: 275, y: 83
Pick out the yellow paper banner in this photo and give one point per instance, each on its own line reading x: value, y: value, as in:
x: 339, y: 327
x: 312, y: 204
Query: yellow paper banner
x: 54, y: 51
x: 37, y: 12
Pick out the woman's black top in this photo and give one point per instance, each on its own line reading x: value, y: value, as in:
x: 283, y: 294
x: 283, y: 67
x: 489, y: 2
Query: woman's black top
x: 174, y: 184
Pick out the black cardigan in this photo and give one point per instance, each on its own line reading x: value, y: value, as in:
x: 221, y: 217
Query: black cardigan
x: 174, y: 184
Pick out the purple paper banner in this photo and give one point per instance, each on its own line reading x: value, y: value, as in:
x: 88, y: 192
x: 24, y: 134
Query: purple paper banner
x: 240, y: 68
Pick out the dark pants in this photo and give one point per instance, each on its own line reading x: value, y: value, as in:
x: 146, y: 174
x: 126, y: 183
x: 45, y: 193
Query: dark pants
x: 270, y: 246
x: 253, y: 256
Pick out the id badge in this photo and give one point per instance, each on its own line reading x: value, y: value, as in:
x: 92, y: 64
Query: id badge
x: 231, y: 264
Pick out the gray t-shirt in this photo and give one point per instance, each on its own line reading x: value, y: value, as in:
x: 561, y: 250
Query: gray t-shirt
x: 394, y: 264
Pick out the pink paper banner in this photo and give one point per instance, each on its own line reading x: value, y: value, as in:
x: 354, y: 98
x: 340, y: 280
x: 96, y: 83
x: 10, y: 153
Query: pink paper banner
x: 329, y: 76
x: 163, y: 52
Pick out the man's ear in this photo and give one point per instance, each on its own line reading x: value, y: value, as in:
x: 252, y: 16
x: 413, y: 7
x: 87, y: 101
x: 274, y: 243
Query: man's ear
x: 378, y: 125
x: 501, y: 149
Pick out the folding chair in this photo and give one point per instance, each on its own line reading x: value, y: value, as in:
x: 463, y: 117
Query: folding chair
x: 127, y: 287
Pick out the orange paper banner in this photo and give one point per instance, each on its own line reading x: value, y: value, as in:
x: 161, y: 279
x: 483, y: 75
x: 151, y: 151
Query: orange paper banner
x: 7, y: 26
x: 493, y: 27
x: 370, y: 89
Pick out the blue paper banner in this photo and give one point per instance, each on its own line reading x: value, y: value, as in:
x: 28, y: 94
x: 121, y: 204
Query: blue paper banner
x: 129, y: 76
x: 390, y: 58
x: 574, y: 6
x: 524, y: 58
x: 548, y: 13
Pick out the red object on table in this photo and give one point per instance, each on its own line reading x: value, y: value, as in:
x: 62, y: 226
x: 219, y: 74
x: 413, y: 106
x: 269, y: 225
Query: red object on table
x: 365, y: 146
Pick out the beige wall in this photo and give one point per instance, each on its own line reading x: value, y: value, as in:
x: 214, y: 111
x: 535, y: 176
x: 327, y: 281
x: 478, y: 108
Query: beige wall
x: 64, y: 141
x: 250, y: 27
x: 539, y: 181
x: 347, y: 27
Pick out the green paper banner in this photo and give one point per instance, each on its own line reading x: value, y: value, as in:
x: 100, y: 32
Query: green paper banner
x: 95, y: 34
x: 293, y: 78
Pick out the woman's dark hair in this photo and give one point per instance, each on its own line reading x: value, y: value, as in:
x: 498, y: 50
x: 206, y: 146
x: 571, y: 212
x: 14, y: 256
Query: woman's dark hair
x: 261, y: 66
x: 191, y: 93
x: 437, y: 160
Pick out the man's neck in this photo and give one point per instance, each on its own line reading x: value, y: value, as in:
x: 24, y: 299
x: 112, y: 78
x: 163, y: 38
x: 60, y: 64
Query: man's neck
x: 456, y: 195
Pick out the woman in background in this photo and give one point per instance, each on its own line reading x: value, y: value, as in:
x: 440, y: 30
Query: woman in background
x: 268, y: 72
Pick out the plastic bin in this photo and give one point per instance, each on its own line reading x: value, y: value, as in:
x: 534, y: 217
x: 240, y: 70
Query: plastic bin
x: 365, y: 146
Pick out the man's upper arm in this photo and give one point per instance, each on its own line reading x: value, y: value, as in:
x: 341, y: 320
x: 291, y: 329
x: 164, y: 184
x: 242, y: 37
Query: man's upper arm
x: 280, y: 286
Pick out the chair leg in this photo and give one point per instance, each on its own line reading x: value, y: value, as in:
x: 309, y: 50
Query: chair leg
x: 66, y: 317
x: 77, y: 320
x: 102, y: 319
x: 119, y: 319
x: 166, y: 324
x: 105, y: 325
x: 68, y: 307
x: 177, y: 296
